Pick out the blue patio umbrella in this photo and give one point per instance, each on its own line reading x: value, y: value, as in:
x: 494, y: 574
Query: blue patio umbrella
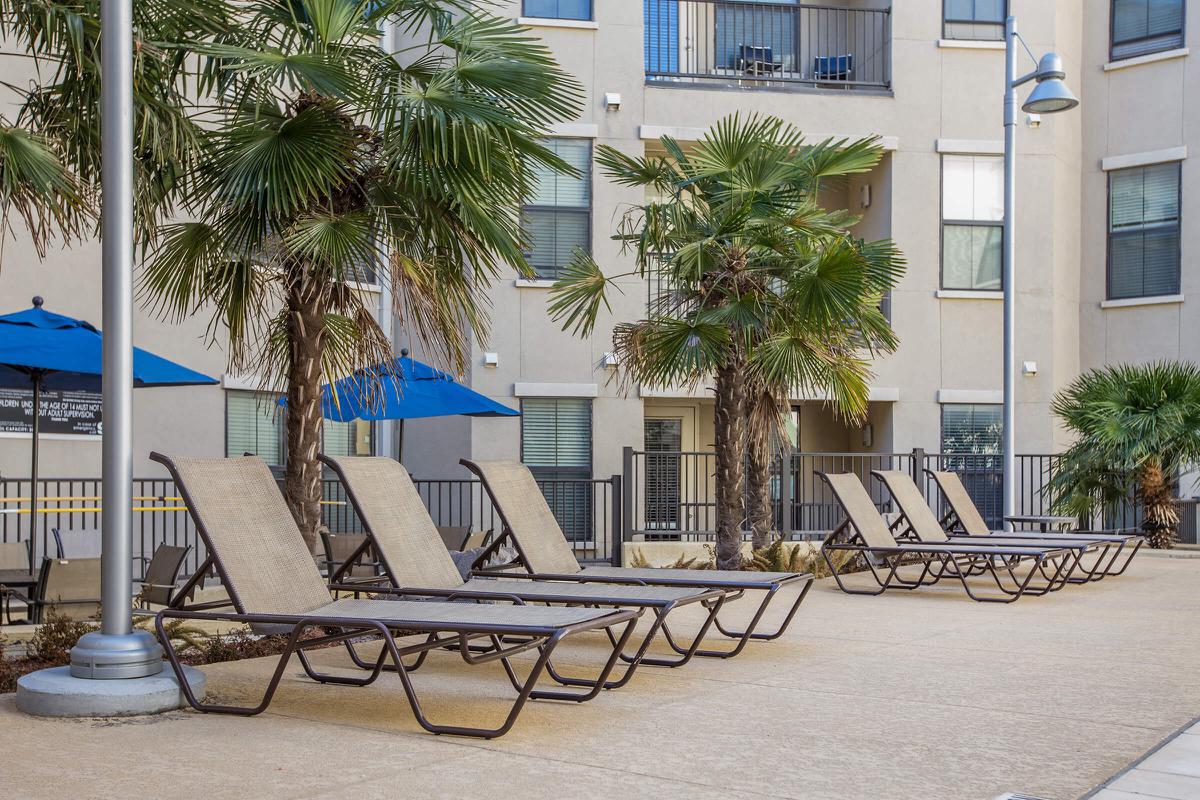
x: 41, y: 350
x: 402, y: 390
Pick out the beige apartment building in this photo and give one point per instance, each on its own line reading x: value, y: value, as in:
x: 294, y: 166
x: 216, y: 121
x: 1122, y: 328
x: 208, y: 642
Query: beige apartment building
x: 1102, y: 246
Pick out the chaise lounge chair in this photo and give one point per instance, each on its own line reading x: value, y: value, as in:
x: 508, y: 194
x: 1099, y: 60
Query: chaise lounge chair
x: 275, y: 587
x: 865, y: 533
x: 964, y: 520
x: 918, y: 522
x: 529, y: 527
x: 413, y: 557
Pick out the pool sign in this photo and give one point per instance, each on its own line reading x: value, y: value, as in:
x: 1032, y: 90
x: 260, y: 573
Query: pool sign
x: 63, y: 412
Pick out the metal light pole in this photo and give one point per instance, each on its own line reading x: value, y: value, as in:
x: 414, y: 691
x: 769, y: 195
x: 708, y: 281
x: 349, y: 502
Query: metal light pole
x: 1050, y: 96
x: 116, y: 650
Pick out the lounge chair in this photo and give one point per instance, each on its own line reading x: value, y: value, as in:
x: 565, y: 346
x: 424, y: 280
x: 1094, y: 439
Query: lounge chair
x: 345, y: 555
x: 917, y: 521
x: 864, y: 533
x: 530, y: 528
x: 963, y: 519
x: 412, y: 557
x: 275, y: 587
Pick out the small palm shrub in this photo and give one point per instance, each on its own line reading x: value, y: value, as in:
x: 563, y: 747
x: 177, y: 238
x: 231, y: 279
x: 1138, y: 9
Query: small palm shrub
x: 1137, y: 429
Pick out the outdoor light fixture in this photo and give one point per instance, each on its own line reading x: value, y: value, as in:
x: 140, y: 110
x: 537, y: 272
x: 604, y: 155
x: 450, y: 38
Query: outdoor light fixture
x: 1050, y: 96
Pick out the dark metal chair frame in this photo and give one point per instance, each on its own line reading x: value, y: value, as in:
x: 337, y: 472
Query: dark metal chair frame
x: 735, y: 589
x: 711, y: 599
x: 954, y: 561
x: 953, y: 525
x: 905, y: 529
x: 544, y: 639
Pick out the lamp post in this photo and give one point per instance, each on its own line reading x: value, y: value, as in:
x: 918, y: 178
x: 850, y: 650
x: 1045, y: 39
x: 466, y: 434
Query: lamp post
x: 116, y: 650
x: 1050, y: 96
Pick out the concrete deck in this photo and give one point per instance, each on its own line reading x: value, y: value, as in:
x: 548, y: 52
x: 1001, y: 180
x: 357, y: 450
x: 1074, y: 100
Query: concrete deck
x: 922, y: 695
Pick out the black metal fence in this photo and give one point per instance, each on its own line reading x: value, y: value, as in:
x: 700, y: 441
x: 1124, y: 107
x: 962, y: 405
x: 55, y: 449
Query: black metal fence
x: 672, y: 495
x: 767, y: 43
x: 588, y: 509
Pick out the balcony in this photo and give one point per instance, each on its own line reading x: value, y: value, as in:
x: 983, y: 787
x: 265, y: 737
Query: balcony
x: 781, y: 45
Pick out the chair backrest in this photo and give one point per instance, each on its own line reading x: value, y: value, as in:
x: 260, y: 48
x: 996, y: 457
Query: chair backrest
x: 476, y: 540
x: 526, y: 515
x: 71, y: 586
x: 256, y: 546
x: 16, y: 555
x: 860, y: 509
x: 339, y: 547
x: 162, y: 573
x: 391, y: 510
x: 454, y: 536
x: 960, y: 502
x: 908, y: 498
x: 78, y: 542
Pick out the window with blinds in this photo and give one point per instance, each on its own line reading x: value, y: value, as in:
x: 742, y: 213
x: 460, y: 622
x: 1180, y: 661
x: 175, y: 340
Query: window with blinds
x: 556, y: 445
x: 972, y: 222
x: 558, y: 218
x: 1143, y: 231
x: 663, y: 468
x: 252, y: 425
x: 972, y: 446
x: 1140, y: 27
x: 974, y: 19
x: 558, y: 9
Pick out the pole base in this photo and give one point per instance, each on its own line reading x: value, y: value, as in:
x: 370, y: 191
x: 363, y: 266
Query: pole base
x: 97, y: 655
x: 55, y: 693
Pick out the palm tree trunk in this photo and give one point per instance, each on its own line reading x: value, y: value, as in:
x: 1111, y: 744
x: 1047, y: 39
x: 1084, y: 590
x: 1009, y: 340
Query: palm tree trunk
x: 302, y: 475
x: 760, y: 510
x: 1158, y: 502
x: 730, y: 421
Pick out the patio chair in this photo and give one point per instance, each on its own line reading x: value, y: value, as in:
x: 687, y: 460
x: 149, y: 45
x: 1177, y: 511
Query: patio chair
x: 410, y: 552
x: 964, y: 520
x: 16, y: 556
x: 833, y: 68
x: 454, y: 536
x: 162, y: 575
x: 345, y: 555
x: 70, y: 586
x: 917, y: 521
x: 530, y: 528
x: 78, y: 542
x: 275, y: 587
x: 865, y: 533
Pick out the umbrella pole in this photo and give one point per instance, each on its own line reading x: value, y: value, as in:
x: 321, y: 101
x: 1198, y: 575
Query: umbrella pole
x: 33, y: 466
x: 400, y: 445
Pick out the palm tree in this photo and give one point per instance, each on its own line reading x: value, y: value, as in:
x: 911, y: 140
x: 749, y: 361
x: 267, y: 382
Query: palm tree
x: 766, y: 292
x: 1138, y: 427
x: 308, y: 154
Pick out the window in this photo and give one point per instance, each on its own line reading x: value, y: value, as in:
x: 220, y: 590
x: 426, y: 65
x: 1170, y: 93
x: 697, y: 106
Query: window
x: 1143, y: 231
x: 664, y: 441
x: 1145, y: 26
x: 972, y: 446
x: 254, y: 423
x: 972, y: 222
x: 558, y: 218
x: 556, y: 444
x: 558, y: 9
x: 974, y: 19
x: 253, y: 426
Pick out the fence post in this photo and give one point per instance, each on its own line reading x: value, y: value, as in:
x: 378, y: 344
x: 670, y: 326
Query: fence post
x: 918, y: 466
x: 786, y: 493
x: 616, y: 531
x: 628, y: 483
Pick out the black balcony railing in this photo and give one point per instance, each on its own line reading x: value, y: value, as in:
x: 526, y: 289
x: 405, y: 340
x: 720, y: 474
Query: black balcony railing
x: 750, y: 43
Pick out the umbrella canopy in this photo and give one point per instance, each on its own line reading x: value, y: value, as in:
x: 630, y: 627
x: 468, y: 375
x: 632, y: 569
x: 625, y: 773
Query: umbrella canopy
x: 66, y: 352
x: 40, y: 350
x: 405, y: 389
